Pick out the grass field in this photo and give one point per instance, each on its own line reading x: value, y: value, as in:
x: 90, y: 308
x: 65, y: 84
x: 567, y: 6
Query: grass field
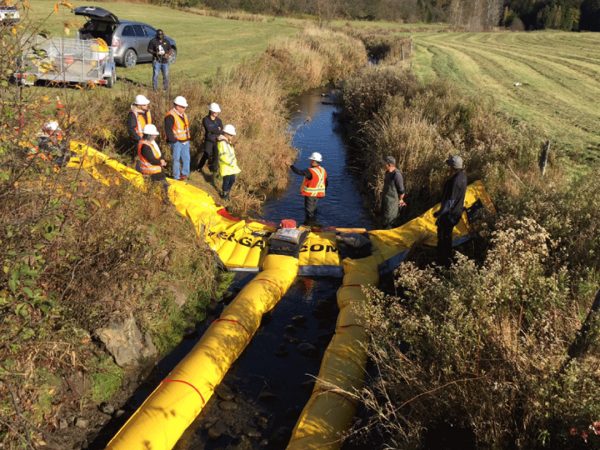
x: 559, y: 76
x: 204, y: 43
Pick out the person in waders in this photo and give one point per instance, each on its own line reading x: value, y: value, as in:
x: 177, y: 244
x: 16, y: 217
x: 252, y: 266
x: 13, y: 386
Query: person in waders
x: 313, y: 187
x: 392, y: 195
x: 450, y: 212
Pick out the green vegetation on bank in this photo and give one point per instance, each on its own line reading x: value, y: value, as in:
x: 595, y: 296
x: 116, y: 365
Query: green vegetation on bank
x: 79, y: 256
x: 482, y: 353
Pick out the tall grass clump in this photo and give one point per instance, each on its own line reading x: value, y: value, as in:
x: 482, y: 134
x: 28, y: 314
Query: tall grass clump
x: 389, y: 112
x: 317, y: 56
x: 480, y: 351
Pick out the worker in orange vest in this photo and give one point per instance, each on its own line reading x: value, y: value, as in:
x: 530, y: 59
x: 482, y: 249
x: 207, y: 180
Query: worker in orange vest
x: 313, y: 186
x: 139, y: 116
x: 51, y: 145
x: 177, y: 127
x: 150, y: 160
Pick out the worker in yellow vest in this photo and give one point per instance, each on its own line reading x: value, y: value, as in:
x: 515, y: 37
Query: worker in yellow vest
x: 228, y: 167
x: 313, y: 186
x: 139, y: 116
x: 177, y: 128
x: 150, y: 160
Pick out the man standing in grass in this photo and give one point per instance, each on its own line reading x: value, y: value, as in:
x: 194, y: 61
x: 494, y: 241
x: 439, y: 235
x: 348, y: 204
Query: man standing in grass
x: 137, y: 119
x: 177, y: 127
x: 392, y: 196
x: 313, y: 186
x: 228, y: 166
x: 213, y: 128
x: 452, y: 204
x: 161, y: 51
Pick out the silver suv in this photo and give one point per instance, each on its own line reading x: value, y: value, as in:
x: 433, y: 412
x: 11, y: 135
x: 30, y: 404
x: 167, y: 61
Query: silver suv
x: 128, y: 39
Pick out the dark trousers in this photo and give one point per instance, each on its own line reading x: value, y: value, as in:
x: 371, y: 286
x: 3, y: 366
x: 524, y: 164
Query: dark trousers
x: 445, y: 225
x: 310, y: 210
x: 228, y: 181
x: 209, y: 154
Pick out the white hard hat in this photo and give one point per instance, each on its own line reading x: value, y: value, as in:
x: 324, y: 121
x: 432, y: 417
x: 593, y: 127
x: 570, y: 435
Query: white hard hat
x: 214, y: 107
x: 141, y: 100
x: 150, y: 130
x: 180, y: 101
x: 316, y: 156
x: 51, y: 126
x: 229, y: 129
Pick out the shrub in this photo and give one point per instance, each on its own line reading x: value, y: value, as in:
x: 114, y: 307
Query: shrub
x: 481, y: 349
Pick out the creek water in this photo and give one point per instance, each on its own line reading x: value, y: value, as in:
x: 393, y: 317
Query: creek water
x: 262, y: 395
x: 273, y: 379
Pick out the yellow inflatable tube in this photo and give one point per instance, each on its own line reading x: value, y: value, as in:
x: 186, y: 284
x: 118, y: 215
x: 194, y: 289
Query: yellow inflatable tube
x: 176, y: 402
x: 330, y: 408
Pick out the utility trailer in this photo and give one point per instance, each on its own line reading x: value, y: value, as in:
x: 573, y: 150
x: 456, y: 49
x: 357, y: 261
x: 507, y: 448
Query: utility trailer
x: 67, y: 60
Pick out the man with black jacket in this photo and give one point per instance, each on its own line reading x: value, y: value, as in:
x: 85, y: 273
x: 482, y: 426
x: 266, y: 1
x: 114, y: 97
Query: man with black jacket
x: 161, y: 51
x: 450, y: 212
x: 213, y: 128
x: 392, y: 195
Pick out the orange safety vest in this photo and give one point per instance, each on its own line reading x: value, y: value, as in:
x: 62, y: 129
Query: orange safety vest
x: 143, y: 118
x: 315, y: 187
x: 145, y: 166
x: 181, y: 125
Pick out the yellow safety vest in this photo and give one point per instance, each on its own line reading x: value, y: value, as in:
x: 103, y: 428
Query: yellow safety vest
x: 227, y: 160
x: 181, y: 125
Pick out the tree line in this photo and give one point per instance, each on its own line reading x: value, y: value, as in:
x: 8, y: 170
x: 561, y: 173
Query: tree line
x: 568, y: 15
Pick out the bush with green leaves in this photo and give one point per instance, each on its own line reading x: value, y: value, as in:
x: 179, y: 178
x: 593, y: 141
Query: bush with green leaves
x: 484, y: 349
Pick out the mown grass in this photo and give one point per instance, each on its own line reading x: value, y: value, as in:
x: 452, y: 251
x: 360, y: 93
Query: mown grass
x: 558, y: 72
x: 204, y: 43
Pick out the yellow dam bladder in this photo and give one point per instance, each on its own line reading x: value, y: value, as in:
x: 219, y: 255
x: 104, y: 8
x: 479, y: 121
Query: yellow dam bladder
x: 242, y: 245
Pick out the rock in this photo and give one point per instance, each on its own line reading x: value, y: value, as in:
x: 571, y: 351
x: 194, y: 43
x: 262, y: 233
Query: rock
x: 190, y: 332
x: 82, y: 423
x: 224, y: 392
x: 251, y: 432
x: 266, y: 395
x: 217, y: 430
x: 290, y: 328
x: 228, y: 406
x: 212, y: 306
x: 264, y: 443
x: 107, y: 408
x: 63, y: 424
x: 125, y: 342
x: 261, y: 422
x: 291, y: 339
x: 299, y: 319
x: 119, y: 413
x: 306, y: 349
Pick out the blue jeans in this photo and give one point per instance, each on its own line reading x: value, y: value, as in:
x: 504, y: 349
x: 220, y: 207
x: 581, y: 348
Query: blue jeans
x: 181, y: 159
x: 158, y: 67
x: 228, y: 181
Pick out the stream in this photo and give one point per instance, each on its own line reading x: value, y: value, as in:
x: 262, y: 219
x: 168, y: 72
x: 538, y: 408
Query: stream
x: 264, y: 392
x: 260, y: 399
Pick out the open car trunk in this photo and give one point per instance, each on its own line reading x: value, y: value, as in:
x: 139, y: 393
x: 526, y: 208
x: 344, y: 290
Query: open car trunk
x: 100, y: 24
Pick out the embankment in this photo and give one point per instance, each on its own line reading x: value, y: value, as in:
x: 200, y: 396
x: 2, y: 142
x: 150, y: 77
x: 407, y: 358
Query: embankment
x: 80, y: 258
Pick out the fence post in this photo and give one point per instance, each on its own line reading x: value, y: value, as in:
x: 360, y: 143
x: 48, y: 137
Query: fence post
x: 544, y: 157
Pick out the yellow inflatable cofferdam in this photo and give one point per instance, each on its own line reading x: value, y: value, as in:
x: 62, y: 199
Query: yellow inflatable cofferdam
x: 176, y: 402
x: 331, y: 407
